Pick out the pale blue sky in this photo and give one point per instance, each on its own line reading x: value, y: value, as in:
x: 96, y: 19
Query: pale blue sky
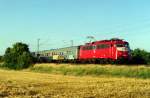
x: 56, y: 22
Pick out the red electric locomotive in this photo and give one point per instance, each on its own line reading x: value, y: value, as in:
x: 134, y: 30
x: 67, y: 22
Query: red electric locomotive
x: 105, y: 49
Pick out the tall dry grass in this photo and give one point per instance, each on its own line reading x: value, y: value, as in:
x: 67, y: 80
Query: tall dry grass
x: 21, y: 84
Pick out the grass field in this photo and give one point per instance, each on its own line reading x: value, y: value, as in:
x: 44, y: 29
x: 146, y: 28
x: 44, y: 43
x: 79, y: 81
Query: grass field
x: 26, y: 84
x: 94, y: 70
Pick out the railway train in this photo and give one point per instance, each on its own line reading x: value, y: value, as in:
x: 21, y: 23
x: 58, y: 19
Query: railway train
x: 103, y: 50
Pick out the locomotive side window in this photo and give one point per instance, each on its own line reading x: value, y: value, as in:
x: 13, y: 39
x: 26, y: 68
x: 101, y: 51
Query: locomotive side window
x: 52, y: 53
x: 103, y: 46
x: 88, y: 47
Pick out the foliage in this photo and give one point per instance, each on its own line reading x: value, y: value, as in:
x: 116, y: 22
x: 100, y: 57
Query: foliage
x: 1, y: 59
x: 18, y: 57
x: 140, y: 57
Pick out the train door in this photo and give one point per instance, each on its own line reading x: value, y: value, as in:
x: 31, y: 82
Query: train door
x: 111, y: 53
x: 94, y: 51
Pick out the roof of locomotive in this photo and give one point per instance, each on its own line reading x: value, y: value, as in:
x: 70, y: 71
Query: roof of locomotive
x: 107, y: 41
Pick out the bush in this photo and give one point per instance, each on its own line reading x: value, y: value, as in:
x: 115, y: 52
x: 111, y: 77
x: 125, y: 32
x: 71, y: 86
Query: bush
x: 18, y: 57
x: 140, y: 57
x: 1, y: 59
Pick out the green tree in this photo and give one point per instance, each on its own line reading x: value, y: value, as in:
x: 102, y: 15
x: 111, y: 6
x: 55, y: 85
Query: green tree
x: 1, y: 59
x: 18, y: 57
x: 140, y: 56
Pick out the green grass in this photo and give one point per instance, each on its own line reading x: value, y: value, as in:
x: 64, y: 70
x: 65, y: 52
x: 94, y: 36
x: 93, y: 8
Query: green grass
x: 95, y: 70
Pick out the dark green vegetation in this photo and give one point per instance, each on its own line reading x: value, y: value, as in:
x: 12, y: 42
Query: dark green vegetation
x: 1, y: 59
x: 95, y: 70
x: 17, y: 57
x: 140, y: 57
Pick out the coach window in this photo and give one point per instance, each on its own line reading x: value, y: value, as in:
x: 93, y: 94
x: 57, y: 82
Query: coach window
x: 61, y: 53
x: 68, y: 52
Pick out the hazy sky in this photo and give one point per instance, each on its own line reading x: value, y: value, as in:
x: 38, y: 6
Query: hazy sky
x: 56, y: 22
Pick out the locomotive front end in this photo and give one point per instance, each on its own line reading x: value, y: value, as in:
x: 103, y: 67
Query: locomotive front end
x: 123, y: 50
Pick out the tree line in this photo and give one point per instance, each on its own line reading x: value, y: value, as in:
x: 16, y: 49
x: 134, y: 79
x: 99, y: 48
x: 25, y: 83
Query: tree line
x: 140, y: 56
x: 20, y: 57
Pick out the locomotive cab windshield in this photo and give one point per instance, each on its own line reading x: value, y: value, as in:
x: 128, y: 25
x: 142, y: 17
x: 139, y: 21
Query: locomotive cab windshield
x: 123, y: 47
